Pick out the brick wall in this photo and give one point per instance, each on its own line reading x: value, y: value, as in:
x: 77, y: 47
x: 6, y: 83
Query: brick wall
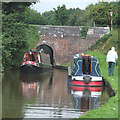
x: 66, y: 40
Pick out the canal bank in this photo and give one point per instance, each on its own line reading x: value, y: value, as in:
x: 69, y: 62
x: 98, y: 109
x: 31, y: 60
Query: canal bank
x: 109, y: 110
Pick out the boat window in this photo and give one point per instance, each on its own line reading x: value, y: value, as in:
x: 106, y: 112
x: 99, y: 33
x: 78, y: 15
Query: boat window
x: 31, y: 57
x: 86, y: 65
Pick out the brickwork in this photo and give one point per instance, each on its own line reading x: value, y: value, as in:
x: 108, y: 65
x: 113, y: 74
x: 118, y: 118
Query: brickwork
x: 66, y: 40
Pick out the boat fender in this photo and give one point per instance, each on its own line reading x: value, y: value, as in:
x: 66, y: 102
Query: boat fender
x: 87, y: 79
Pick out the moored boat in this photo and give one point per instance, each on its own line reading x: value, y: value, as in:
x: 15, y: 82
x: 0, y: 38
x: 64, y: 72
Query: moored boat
x: 86, y: 71
x: 35, y: 61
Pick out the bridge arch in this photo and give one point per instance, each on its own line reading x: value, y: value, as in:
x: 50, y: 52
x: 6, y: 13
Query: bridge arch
x: 48, y: 50
x: 65, y: 41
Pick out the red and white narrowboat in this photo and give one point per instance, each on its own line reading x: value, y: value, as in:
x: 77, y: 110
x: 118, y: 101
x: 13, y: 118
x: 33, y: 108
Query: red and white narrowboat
x: 33, y: 62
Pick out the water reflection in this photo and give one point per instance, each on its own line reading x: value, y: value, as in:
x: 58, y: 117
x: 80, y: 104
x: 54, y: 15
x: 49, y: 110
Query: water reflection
x: 86, y: 98
x: 47, y: 95
x: 12, y: 101
x: 31, y: 83
x: 50, y: 94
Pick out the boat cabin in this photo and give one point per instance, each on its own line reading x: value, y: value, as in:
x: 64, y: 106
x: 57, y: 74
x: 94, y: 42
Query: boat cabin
x: 86, y: 65
x: 36, y: 56
x: 32, y: 56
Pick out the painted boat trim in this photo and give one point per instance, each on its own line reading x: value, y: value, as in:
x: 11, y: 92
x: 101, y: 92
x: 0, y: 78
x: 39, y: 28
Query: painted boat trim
x: 91, y: 83
x: 79, y: 78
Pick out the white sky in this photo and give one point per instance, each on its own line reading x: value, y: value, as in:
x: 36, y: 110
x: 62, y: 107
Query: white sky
x: 47, y: 5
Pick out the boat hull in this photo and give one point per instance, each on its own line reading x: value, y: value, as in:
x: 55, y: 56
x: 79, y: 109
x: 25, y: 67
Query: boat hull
x: 35, y: 69
x: 87, y: 81
x: 82, y: 83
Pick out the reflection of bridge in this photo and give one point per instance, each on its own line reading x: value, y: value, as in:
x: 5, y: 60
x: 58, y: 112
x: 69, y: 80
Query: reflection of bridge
x: 64, y: 41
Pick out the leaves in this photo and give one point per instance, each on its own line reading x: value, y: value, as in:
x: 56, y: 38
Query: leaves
x: 61, y: 15
x: 84, y: 32
x: 15, y: 38
x: 35, y: 18
x: 100, y: 13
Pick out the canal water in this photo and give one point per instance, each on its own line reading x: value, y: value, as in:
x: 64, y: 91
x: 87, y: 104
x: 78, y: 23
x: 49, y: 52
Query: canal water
x: 48, y: 95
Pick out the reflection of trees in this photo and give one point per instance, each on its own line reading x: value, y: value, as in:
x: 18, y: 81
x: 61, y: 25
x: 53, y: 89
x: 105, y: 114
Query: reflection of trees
x: 11, y: 96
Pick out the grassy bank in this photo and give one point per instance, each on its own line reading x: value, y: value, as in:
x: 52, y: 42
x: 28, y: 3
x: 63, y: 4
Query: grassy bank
x: 109, y: 110
x: 106, y: 42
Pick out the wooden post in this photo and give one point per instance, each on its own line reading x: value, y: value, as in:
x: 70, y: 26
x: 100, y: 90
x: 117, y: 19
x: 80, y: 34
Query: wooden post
x: 111, y: 24
x: 111, y: 13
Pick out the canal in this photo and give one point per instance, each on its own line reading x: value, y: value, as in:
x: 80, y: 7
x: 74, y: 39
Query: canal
x: 48, y: 95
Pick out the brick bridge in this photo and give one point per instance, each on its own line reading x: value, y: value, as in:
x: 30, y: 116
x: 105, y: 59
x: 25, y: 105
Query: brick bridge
x: 62, y: 42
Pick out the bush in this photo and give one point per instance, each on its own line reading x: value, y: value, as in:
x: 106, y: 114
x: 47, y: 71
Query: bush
x: 15, y: 40
x: 84, y: 32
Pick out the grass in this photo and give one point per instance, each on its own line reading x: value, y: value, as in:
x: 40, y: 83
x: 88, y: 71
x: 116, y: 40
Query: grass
x: 109, y: 110
x: 66, y: 65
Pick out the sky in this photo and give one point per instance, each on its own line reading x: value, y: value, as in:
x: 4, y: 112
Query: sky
x: 47, y: 5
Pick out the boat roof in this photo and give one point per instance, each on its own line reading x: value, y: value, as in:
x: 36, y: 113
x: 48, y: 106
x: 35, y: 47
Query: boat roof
x: 86, y: 55
x: 33, y: 51
x: 80, y: 55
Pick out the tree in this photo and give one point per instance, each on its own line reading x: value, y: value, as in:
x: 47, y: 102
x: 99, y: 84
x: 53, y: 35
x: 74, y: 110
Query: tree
x: 49, y: 17
x: 100, y: 12
x: 84, y: 32
x: 14, y: 11
x: 35, y: 18
x: 73, y: 20
x: 61, y: 15
x: 14, y: 37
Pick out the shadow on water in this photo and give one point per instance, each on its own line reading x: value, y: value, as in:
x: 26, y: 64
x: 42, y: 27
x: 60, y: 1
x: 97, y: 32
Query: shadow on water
x: 48, y: 95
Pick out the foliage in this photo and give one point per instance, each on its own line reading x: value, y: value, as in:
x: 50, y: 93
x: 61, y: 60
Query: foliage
x: 49, y: 17
x: 32, y: 36
x: 78, y: 17
x: 14, y: 11
x: 61, y: 15
x: 100, y: 13
x: 84, y: 32
x: 35, y: 18
x: 15, y: 35
x: 13, y: 41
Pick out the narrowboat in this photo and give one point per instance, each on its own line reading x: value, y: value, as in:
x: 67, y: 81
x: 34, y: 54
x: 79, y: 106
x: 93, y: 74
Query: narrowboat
x: 85, y: 71
x: 35, y: 62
